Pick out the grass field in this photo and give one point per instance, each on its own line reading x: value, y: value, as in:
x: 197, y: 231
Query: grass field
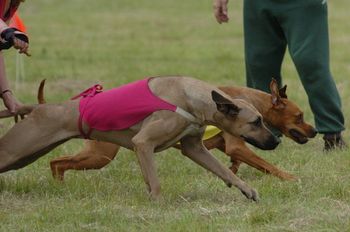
x: 77, y: 43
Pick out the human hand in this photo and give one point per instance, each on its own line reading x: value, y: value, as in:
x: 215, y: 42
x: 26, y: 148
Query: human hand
x: 10, y: 101
x: 220, y: 11
x: 21, y: 42
x: 15, y: 38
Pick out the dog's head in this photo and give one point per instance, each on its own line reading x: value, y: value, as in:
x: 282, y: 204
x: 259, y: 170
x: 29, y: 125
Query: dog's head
x: 239, y: 118
x: 287, y: 116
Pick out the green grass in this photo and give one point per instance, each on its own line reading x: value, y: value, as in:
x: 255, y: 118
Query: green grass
x: 77, y: 43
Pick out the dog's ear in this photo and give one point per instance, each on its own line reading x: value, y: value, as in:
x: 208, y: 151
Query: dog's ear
x: 275, y: 95
x: 282, y: 92
x: 224, y: 105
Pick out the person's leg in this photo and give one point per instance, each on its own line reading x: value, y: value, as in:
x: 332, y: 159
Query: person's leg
x: 265, y: 45
x: 306, y: 30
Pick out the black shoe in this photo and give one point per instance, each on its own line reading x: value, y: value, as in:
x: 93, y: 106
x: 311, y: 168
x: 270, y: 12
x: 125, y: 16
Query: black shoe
x: 334, y: 141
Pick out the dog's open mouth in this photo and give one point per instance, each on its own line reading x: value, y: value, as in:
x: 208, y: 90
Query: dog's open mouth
x: 298, y: 137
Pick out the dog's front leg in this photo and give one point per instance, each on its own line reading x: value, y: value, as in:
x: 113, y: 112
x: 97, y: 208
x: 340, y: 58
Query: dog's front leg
x: 157, y: 130
x: 193, y: 148
x: 145, y: 157
x: 144, y: 147
x: 146, y: 160
x: 239, y: 152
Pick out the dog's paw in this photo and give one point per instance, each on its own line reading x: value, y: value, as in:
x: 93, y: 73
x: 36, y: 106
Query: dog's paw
x: 288, y: 177
x: 155, y: 197
x: 251, y: 194
x: 56, y: 171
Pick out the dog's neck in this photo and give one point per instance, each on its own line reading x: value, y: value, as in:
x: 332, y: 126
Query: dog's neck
x: 193, y: 96
x: 201, y: 105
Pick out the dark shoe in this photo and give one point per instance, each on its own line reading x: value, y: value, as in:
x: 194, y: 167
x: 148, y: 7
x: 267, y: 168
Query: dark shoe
x: 334, y: 141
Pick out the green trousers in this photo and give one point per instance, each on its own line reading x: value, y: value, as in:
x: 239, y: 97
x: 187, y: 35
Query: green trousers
x: 270, y: 26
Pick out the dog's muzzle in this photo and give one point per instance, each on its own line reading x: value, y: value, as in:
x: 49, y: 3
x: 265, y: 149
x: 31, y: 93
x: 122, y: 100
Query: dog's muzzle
x: 299, y: 137
x: 270, y: 144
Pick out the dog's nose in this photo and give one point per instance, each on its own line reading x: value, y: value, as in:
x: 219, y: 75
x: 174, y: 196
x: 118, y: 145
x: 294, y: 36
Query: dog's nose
x: 276, y: 141
x: 272, y: 143
x: 312, y: 133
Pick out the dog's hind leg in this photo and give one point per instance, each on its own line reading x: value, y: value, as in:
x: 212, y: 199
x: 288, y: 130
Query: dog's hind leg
x: 193, y: 148
x: 238, y: 151
x: 45, y: 128
x: 95, y: 155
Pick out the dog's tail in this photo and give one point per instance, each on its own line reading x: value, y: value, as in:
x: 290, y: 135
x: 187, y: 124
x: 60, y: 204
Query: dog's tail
x: 41, y: 99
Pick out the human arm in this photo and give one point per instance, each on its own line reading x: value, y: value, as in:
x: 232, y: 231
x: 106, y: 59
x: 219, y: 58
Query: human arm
x: 220, y: 11
x: 3, y: 25
x: 9, y: 100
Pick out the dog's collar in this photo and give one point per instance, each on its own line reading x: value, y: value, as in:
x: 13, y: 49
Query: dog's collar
x: 188, y: 116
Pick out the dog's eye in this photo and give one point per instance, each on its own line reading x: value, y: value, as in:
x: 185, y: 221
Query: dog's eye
x: 257, y: 122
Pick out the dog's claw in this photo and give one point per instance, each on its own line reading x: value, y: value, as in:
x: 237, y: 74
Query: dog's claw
x: 255, y: 196
x: 252, y: 194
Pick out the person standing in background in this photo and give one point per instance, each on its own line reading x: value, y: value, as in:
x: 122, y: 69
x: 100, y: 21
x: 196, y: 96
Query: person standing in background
x: 270, y: 27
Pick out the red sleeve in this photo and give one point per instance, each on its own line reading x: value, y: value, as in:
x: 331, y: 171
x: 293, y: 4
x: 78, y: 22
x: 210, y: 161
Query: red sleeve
x: 5, y: 16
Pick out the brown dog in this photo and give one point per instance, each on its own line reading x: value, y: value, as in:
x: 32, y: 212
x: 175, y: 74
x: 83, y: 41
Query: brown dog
x: 197, y: 104
x: 275, y: 108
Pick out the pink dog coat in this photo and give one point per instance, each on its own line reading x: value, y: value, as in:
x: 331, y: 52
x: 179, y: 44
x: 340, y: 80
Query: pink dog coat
x: 118, y: 108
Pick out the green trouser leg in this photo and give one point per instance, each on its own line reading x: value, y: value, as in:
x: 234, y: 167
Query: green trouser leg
x: 265, y: 47
x: 269, y: 28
